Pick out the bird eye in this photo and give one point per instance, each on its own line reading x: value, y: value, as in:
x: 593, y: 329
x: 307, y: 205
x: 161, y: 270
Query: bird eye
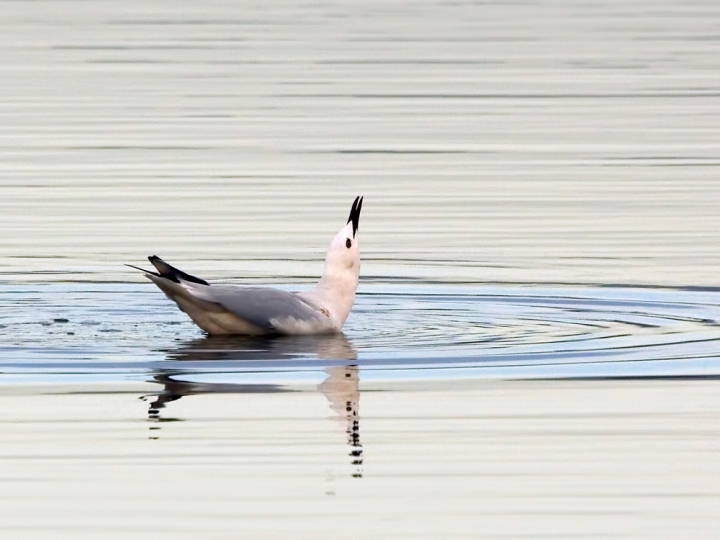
x: 348, y: 243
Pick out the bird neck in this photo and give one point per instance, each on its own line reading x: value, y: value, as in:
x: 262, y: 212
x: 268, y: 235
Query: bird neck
x: 336, y: 292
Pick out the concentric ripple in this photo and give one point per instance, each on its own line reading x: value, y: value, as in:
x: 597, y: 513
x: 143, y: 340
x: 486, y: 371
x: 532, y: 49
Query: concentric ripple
x: 396, y: 332
x: 539, y: 331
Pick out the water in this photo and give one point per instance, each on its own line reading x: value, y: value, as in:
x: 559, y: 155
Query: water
x: 534, y: 349
x: 108, y: 332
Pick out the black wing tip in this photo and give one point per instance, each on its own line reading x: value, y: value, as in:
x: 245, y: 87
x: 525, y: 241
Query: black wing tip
x: 355, y: 213
x: 173, y: 274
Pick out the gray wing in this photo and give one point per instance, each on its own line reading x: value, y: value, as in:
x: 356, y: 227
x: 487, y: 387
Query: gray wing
x: 259, y: 305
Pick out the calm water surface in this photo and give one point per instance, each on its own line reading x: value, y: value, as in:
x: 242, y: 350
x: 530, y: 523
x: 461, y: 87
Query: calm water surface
x: 535, y: 345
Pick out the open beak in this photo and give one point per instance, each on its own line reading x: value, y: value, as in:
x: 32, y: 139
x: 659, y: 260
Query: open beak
x: 355, y: 214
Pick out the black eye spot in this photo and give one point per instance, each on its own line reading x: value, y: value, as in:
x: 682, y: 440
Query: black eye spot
x: 348, y: 243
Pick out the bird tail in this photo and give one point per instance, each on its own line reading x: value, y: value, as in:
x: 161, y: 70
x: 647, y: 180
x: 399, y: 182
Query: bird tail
x: 167, y: 271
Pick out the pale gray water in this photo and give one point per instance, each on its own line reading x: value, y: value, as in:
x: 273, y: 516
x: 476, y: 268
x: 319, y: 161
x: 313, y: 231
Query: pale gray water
x: 541, y: 201
x: 519, y: 142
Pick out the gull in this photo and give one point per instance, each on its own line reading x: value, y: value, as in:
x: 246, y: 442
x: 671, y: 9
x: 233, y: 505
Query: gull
x: 257, y: 311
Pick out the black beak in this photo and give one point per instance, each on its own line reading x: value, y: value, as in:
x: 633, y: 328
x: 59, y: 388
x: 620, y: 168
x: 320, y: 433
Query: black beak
x: 355, y: 214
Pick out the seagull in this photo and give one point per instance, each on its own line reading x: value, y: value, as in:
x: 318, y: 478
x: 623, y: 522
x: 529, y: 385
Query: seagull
x: 258, y: 311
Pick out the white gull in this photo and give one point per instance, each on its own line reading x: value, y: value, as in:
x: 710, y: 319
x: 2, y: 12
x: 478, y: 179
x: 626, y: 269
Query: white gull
x: 232, y: 309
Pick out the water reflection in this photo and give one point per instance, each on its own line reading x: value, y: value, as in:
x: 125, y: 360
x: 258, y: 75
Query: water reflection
x: 330, y: 347
x: 340, y: 387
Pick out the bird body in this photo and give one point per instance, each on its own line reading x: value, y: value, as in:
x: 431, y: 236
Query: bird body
x: 230, y: 309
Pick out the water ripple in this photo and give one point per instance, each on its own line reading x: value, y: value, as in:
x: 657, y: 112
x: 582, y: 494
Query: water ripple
x: 397, y: 332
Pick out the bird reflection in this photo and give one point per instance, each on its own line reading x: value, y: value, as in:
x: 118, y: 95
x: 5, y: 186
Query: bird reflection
x: 340, y: 387
x: 330, y: 347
